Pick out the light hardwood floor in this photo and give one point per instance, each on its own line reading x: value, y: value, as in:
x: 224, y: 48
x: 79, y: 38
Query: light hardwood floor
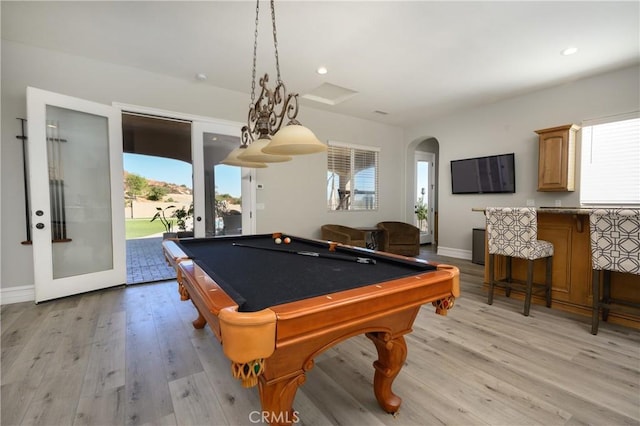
x: 130, y: 356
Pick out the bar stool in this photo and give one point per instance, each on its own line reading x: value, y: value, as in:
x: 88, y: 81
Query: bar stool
x: 615, y: 246
x: 513, y: 232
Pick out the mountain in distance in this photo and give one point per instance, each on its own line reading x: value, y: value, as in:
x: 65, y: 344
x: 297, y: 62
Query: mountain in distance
x: 171, y: 188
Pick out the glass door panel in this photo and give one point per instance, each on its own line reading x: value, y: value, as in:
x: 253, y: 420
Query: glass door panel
x: 228, y: 199
x: 222, y: 199
x: 424, y: 195
x: 76, y: 191
x: 79, y: 192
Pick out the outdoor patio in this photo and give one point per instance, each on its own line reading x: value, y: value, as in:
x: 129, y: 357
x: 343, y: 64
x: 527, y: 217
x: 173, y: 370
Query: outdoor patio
x: 145, y: 261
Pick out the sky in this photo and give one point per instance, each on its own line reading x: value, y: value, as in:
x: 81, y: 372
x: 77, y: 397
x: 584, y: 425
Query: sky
x: 179, y: 172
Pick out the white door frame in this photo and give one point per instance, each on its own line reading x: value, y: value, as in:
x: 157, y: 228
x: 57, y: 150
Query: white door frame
x: 46, y: 286
x: 430, y: 157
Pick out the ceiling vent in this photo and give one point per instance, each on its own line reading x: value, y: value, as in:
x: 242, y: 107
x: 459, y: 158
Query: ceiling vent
x: 330, y: 94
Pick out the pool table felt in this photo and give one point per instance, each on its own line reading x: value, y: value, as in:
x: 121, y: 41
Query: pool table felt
x: 258, y: 279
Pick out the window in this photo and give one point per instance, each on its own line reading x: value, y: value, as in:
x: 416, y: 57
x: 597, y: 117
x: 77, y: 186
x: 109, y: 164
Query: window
x: 352, y: 177
x: 610, y: 167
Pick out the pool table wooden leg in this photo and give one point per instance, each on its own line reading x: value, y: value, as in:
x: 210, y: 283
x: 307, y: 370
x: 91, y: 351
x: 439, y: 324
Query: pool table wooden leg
x: 199, y: 322
x: 277, y: 399
x: 391, y: 356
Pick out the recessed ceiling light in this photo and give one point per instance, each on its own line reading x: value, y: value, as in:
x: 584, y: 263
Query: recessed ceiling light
x: 201, y: 76
x: 569, y: 51
x: 322, y: 70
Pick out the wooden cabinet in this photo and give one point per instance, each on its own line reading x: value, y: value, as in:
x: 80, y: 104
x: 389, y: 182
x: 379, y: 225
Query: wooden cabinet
x: 570, y: 237
x: 557, y: 158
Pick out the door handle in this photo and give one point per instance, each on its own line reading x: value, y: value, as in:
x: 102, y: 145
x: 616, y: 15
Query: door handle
x: 40, y: 225
x: 39, y: 212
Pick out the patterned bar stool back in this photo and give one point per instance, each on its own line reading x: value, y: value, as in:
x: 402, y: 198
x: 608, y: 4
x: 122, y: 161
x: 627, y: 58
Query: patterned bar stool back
x: 513, y: 232
x: 615, y: 246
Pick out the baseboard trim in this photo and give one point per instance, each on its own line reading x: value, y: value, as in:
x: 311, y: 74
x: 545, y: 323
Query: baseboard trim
x: 25, y: 293
x: 454, y: 252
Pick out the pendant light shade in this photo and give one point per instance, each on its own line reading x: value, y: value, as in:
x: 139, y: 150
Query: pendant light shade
x: 294, y: 139
x: 233, y: 160
x: 254, y: 153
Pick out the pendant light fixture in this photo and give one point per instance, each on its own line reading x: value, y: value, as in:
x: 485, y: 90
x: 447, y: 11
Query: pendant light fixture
x: 264, y: 139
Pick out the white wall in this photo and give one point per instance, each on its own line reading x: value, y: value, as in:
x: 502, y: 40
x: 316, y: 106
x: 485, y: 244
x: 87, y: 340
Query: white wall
x: 297, y: 201
x: 293, y: 194
x: 509, y: 126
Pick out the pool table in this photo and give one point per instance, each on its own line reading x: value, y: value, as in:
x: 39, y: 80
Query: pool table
x: 275, y: 307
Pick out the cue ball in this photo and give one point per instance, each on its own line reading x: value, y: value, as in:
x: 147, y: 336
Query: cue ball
x: 277, y: 240
x: 287, y: 240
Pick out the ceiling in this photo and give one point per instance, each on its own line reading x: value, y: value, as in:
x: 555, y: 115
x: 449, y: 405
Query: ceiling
x: 410, y: 60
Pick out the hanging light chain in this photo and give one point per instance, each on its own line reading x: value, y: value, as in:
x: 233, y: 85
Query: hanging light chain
x: 255, y: 52
x: 265, y: 119
x: 275, y: 39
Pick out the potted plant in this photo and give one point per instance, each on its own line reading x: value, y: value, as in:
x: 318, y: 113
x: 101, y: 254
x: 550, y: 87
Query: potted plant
x: 182, y: 215
x: 221, y: 210
x: 166, y: 222
x: 422, y: 213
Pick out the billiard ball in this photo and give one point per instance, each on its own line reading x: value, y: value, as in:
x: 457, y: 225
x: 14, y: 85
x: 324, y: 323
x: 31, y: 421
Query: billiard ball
x: 287, y: 240
x: 277, y: 241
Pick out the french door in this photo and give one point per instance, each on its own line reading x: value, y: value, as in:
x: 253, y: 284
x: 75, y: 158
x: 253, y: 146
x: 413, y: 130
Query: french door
x: 210, y: 144
x: 424, y: 195
x: 77, y: 196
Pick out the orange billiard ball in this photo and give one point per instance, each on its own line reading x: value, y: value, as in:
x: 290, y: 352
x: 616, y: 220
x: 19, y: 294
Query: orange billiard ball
x: 287, y: 240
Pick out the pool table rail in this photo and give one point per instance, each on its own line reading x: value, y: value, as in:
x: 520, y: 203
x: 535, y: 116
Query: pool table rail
x: 318, y: 314
x: 206, y: 295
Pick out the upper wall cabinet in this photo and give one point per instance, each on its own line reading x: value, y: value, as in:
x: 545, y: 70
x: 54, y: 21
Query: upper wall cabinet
x: 557, y: 158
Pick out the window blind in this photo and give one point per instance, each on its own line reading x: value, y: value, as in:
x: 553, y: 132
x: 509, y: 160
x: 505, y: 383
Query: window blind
x: 352, y: 177
x: 610, y: 167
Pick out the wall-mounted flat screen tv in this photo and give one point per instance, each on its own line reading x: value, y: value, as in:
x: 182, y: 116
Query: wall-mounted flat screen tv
x: 484, y: 175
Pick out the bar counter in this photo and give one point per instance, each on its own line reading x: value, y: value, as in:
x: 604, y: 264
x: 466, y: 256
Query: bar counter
x: 568, y: 229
